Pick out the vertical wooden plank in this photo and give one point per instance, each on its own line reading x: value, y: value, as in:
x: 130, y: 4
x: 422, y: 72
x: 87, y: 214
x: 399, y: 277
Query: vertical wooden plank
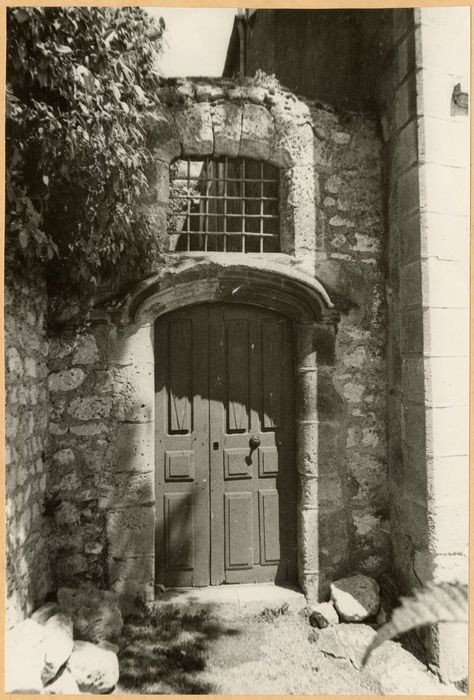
x: 180, y: 376
x: 179, y: 532
x: 182, y: 456
x: 238, y: 527
x: 237, y: 366
x: 216, y: 438
x: 271, y: 374
x: 269, y: 526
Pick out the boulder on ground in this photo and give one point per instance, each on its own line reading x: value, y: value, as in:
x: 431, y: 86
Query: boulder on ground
x: 94, y: 669
x: 346, y: 641
x: 59, y: 643
x: 324, y: 615
x: 64, y: 684
x: 24, y: 657
x: 355, y: 598
x: 95, y: 613
x: 42, y: 614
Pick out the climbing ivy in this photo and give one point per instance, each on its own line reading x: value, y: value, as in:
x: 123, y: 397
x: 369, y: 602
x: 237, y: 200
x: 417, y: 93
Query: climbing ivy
x: 79, y: 84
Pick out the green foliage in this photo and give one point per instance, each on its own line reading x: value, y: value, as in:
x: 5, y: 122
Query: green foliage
x: 79, y: 84
x: 270, y: 614
x: 262, y: 79
x: 437, y: 602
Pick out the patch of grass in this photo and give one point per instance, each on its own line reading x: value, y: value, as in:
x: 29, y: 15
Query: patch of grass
x: 271, y: 613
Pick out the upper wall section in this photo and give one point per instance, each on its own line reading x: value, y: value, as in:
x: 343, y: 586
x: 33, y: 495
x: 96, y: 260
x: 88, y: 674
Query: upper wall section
x: 223, y: 118
x: 316, y: 53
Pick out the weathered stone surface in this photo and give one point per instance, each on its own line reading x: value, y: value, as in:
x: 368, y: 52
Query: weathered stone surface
x: 130, y: 489
x: 26, y: 641
x: 95, y: 613
x: 58, y: 644
x: 94, y: 669
x: 257, y: 132
x: 400, y: 673
x: 134, y: 447
x: 64, y: 684
x: 42, y: 614
x: 134, y: 388
x: 346, y: 641
x: 90, y: 407
x: 28, y: 573
x: 356, y: 597
x: 195, y: 129
x: 324, y: 615
x: 130, y: 531
x: 66, y: 380
x: 292, y: 145
x: 86, y: 351
x: 162, y: 134
x: 227, y: 125
x: 130, y: 345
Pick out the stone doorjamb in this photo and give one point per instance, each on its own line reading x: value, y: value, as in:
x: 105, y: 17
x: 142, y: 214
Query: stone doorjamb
x: 293, y: 294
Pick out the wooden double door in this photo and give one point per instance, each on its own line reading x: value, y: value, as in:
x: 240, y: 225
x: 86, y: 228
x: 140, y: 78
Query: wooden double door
x: 224, y: 461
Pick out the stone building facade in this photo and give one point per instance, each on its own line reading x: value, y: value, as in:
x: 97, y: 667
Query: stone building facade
x: 369, y: 279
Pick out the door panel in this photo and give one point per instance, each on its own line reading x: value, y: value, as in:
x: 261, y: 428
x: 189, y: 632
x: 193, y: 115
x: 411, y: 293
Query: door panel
x: 238, y: 528
x: 224, y: 376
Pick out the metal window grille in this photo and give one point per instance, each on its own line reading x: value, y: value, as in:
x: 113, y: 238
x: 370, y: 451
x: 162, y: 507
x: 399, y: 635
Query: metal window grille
x: 227, y: 204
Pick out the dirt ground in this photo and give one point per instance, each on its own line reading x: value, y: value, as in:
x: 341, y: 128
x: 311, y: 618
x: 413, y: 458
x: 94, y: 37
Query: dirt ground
x: 195, y: 651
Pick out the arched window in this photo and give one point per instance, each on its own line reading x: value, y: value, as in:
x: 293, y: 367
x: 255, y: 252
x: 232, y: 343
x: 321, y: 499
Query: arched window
x: 225, y: 204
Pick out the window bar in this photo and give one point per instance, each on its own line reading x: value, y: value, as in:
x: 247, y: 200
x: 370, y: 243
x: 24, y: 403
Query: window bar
x: 224, y: 222
x: 261, y: 207
x: 242, y: 175
x: 188, y: 217
x: 206, y: 205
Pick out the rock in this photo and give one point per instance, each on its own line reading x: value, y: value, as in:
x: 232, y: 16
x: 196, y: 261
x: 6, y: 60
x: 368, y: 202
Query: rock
x: 64, y: 684
x: 355, y: 598
x: 58, y: 644
x: 24, y: 642
x: 346, y: 641
x: 400, y: 673
x: 109, y: 646
x: 42, y: 614
x: 95, y: 613
x: 94, y: 669
x: 324, y: 615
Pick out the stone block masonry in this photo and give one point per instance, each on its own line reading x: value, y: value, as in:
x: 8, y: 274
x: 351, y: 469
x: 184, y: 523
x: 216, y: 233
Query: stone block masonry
x: 101, y: 381
x: 427, y: 150
x: 28, y: 574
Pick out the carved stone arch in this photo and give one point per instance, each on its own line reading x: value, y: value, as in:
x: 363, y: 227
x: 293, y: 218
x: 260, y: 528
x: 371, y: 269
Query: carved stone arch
x: 296, y: 295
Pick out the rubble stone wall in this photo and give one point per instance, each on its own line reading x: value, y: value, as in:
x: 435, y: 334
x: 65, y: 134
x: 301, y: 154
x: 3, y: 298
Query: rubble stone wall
x: 101, y: 379
x: 354, y: 517
x: 28, y: 575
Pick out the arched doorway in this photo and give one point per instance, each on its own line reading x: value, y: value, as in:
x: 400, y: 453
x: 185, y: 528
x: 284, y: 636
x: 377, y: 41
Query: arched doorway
x: 225, y: 469
x: 276, y: 289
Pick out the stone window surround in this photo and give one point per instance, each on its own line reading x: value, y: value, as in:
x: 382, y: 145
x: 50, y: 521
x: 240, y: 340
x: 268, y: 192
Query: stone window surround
x: 293, y: 294
x: 218, y: 119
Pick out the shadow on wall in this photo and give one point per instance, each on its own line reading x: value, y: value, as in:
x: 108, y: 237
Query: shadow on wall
x: 166, y: 649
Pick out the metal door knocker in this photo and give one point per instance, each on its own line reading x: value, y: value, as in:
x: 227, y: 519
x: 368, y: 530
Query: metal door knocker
x: 254, y: 443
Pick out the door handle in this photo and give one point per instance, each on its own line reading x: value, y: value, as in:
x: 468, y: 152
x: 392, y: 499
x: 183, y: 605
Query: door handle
x: 254, y: 442
x: 215, y: 445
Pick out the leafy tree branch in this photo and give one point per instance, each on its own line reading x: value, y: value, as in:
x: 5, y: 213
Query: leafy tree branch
x: 79, y: 84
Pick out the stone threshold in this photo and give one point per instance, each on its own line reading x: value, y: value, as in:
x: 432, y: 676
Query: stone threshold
x: 237, y: 599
